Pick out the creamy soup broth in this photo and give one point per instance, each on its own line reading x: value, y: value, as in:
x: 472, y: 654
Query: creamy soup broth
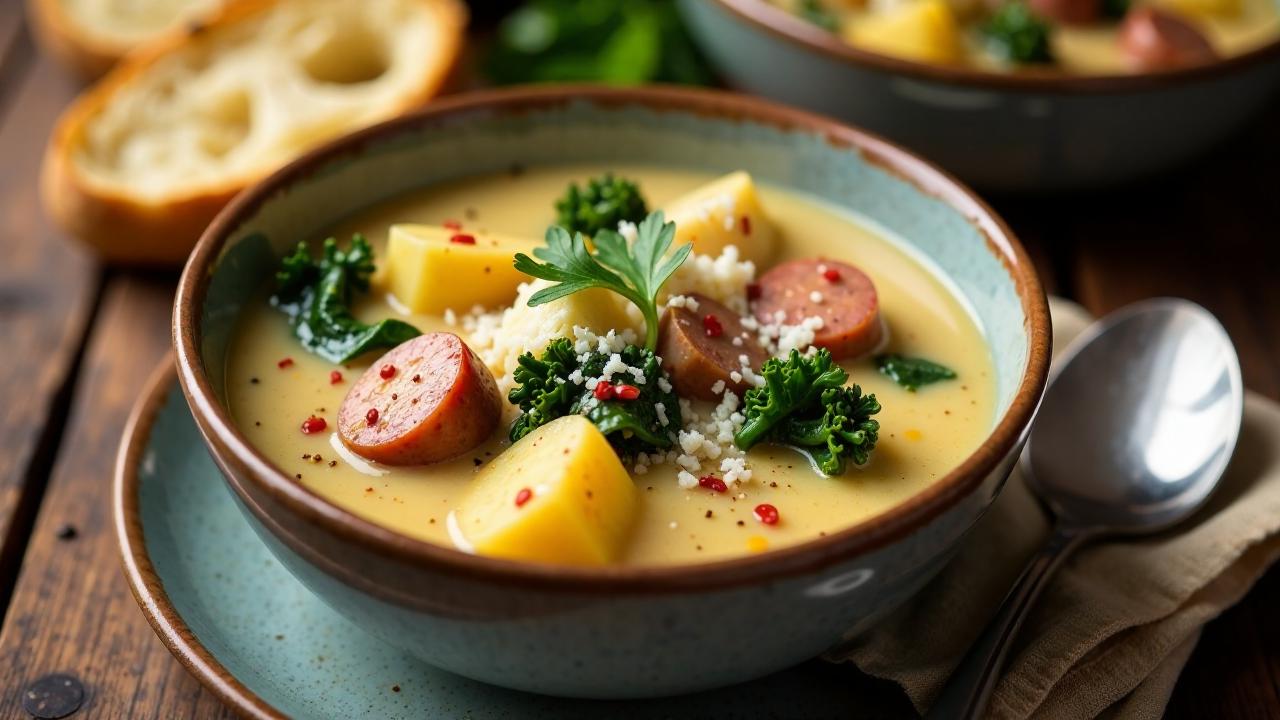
x: 923, y: 435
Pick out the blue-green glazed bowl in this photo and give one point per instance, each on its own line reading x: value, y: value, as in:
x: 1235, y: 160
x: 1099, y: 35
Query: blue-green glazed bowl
x: 616, y: 632
x: 1033, y: 131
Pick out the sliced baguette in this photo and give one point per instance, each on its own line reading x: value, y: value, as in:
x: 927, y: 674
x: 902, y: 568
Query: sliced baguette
x: 90, y: 36
x: 139, y: 164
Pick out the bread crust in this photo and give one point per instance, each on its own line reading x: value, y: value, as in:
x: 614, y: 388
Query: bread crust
x: 126, y: 229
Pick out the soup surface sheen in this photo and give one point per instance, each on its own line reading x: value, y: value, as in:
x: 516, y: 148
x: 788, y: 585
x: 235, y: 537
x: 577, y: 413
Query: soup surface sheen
x: 923, y: 435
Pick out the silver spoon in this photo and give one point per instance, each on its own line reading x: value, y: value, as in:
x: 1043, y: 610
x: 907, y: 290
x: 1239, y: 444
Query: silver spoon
x: 1137, y: 426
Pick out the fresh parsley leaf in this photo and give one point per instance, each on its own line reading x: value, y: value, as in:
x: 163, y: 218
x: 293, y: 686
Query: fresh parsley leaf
x: 601, y: 205
x: 636, y: 272
x: 912, y: 372
x: 1016, y: 34
x: 545, y: 391
x: 805, y: 404
x: 316, y: 295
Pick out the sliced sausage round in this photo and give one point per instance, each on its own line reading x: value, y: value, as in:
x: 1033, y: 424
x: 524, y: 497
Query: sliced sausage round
x: 699, y: 350
x: 839, y: 293
x: 1071, y: 12
x: 1153, y: 39
x: 426, y: 400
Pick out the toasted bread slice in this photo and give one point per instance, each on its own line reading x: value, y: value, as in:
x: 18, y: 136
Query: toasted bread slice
x: 90, y: 36
x: 139, y: 164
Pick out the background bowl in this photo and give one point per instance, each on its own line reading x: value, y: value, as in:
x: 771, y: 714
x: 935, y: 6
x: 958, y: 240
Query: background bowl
x: 1031, y: 131
x: 615, y: 632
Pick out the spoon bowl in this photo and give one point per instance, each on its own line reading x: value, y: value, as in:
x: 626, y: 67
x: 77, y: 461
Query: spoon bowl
x: 1136, y: 428
x: 1139, y: 421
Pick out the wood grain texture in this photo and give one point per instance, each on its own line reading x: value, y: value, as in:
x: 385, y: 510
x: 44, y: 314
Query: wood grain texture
x: 48, y: 287
x: 71, y: 611
x: 1209, y: 234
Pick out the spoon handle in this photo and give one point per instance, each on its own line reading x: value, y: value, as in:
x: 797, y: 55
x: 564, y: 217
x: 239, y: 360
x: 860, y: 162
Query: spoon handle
x: 967, y: 692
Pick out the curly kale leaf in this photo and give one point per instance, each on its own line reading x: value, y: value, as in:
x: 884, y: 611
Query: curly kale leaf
x: 912, y: 372
x: 1015, y: 34
x: 316, y: 295
x: 545, y: 390
x: 605, y: 202
x: 636, y: 271
x: 804, y: 403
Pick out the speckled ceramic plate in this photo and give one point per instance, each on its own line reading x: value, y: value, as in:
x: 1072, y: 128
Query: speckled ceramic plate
x: 269, y: 648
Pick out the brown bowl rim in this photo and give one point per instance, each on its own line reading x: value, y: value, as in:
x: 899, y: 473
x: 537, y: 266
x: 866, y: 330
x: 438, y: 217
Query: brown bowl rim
x: 235, y: 450
x: 781, y: 24
x: 144, y: 582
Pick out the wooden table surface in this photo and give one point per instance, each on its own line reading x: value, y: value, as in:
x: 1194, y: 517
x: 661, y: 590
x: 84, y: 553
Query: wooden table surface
x: 80, y: 339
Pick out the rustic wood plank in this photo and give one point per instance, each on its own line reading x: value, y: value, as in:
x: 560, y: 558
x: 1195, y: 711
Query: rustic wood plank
x: 71, y: 610
x: 1208, y: 234
x: 48, y: 288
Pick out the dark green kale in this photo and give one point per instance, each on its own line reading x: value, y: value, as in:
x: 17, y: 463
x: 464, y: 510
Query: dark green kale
x: 805, y: 403
x: 607, y: 41
x: 912, y: 372
x: 546, y: 389
x: 605, y: 202
x: 317, y: 297
x: 1015, y: 34
x: 818, y: 14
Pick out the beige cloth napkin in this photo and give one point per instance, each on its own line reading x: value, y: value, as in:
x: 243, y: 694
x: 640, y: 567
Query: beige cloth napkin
x: 1116, y: 625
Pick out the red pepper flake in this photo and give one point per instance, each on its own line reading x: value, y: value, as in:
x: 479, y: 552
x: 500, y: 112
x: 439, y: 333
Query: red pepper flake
x: 371, y: 417
x: 313, y: 424
x: 335, y: 377
x: 524, y: 496
x: 452, y: 224
x: 386, y: 372
x: 746, y: 225
x: 603, y: 391
x: 711, y: 482
x: 831, y: 275
x: 753, y: 291
x: 463, y: 239
x: 766, y: 514
x: 626, y: 392
x: 284, y: 363
x: 711, y: 324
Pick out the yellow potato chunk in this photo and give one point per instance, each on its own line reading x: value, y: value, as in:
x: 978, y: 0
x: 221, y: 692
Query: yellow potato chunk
x: 430, y: 274
x: 559, y: 495
x: 1203, y: 9
x: 724, y: 212
x: 922, y: 30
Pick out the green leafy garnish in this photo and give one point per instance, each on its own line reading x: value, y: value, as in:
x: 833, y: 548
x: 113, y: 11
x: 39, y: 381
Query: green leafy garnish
x: 555, y: 385
x: 317, y: 296
x: 1015, y: 34
x: 601, y: 205
x: 818, y: 14
x: 805, y: 403
x: 624, y: 43
x: 912, y: 372
x: 635, y: 271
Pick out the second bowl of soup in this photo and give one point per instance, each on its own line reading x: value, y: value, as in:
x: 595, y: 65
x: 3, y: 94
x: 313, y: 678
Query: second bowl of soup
x: 612, y: 393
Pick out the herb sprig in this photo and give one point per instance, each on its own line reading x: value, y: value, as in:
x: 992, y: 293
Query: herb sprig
x: 636, y: 271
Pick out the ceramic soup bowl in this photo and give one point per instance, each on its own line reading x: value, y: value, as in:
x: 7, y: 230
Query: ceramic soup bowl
x: 620, y: 631
x: 1016, y: 132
